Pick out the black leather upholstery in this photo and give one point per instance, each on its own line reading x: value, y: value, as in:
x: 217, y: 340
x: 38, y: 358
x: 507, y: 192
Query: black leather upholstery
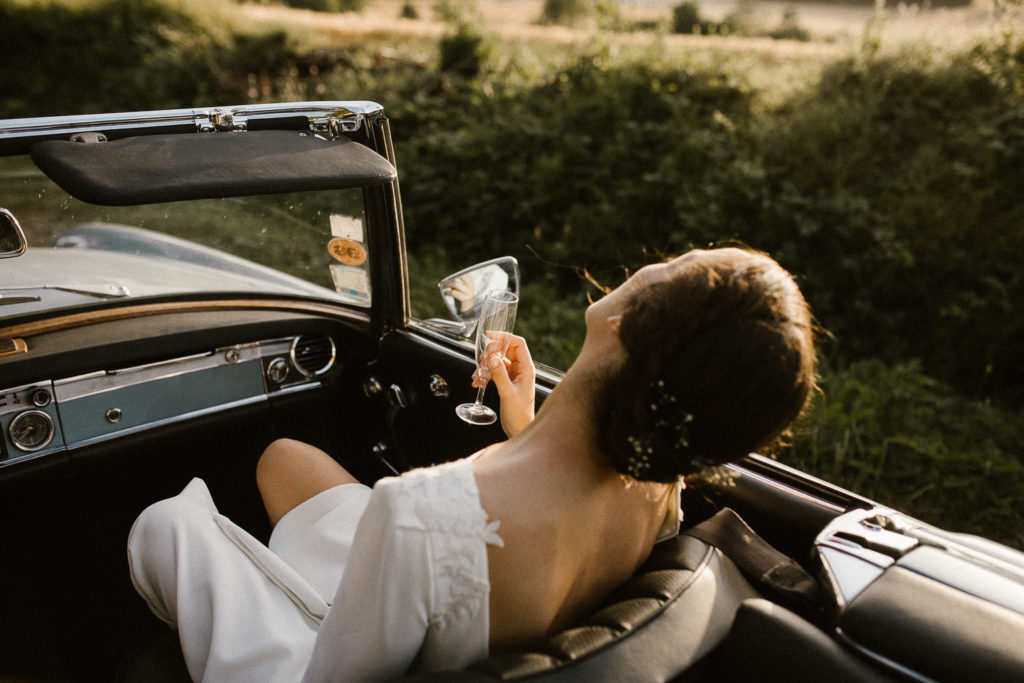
x: 676, y: 609
x: 770, y: 644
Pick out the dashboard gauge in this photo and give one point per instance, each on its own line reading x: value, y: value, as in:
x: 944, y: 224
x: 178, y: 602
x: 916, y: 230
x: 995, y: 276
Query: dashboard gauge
x: 31, y: 430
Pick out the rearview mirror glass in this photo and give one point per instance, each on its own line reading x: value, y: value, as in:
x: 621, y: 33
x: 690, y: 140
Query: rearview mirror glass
x: 464, y: 292
x: 12, y: 239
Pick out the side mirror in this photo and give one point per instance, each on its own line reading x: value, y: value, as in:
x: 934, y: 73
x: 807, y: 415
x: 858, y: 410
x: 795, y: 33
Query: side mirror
x: 12, y: 239
x: 464, y: 292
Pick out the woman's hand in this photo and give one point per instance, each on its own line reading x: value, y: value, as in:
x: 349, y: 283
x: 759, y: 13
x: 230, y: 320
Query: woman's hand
x: 464, y: 292
x: 515, y: 377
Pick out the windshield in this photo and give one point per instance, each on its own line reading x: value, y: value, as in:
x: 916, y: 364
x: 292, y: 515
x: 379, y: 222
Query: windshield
x: 306, y: 244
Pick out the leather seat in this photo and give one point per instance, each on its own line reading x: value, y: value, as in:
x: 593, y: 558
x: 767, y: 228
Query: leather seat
x: 673, y: 612
x: 676, y: 609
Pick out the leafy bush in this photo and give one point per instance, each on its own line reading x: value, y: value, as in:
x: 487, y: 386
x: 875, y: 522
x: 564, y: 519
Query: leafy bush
x: 892, y: 188
x: 464, y: 52
x: 686, y: 18
x: 328, y: 5
x: 789, y: 27
x: 119, y: 55
x: 408, y: 11
x: 565, y: 11
x: 897, y: 436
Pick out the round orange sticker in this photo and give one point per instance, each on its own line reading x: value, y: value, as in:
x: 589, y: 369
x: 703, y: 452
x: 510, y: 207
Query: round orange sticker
x: 347, y: 251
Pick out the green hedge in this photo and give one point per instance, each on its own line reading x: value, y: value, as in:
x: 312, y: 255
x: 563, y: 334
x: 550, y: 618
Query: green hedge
x: 896, y: 435
x: 890, y: 186
x: 122, y: 55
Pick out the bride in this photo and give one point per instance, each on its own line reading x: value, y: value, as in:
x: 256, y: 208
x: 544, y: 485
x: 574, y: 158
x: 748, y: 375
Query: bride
x: 689, y: 363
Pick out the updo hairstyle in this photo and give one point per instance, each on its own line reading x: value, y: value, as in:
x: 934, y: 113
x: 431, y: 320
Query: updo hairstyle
x: 720, y: 360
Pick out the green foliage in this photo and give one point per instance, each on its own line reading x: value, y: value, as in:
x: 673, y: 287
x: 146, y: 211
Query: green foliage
x: 789, y: 28
x: 897, y: 436
x: 566, y: 11
x: 328, y: 5
x: 891, y: 187
x: 464, y: 52
x: 456, y: 12
x: 686, y: 18
x: 583, y: 170
x: 408, y: 11
x: 119, y: 55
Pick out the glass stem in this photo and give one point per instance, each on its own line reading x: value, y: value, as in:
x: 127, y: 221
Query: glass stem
x: 480, y: 395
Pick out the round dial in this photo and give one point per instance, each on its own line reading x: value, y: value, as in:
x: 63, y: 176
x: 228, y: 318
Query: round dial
x: 31, y: 430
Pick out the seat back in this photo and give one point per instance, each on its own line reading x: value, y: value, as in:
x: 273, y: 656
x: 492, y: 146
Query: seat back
x: 674, y: 611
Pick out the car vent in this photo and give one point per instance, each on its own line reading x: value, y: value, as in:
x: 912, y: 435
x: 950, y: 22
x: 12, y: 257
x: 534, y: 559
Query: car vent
x: 313, y: 355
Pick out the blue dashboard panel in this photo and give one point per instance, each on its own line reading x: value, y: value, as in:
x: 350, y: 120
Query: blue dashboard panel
x: 96, y: 407
x: 53, y: 416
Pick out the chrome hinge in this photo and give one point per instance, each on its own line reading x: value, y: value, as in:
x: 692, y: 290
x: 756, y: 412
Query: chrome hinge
x: 332, y: 127
x: 222, y: 121
x: 88, y: 137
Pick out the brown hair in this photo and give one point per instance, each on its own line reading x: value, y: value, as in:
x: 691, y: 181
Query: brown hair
x: 719, y: 362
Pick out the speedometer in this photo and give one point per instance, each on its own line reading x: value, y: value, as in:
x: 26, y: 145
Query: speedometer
x: 31, y: 430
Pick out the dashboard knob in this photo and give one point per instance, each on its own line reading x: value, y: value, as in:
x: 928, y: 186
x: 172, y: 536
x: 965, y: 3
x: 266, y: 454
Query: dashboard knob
x: 277, y: 370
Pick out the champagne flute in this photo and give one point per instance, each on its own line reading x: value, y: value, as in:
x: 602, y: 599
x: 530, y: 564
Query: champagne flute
x: 497, y: 317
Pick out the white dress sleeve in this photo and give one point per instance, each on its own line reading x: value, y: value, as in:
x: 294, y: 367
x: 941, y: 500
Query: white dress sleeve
x: 415, y: 591
x: 381, y: 611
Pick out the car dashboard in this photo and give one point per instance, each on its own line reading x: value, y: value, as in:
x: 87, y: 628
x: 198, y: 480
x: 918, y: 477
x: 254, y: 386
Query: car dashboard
x: 55, y: 415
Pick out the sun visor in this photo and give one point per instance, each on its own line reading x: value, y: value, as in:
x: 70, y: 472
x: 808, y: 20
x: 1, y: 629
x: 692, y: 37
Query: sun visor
x: 165, y: 168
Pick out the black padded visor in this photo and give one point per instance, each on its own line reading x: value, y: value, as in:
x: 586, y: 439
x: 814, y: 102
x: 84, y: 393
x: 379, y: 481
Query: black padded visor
x: 167, y: 168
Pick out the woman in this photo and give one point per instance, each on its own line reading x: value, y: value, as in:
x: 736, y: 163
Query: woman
x: 689, y: 363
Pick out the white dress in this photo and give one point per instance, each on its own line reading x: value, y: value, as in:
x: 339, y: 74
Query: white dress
x: 355, y: 586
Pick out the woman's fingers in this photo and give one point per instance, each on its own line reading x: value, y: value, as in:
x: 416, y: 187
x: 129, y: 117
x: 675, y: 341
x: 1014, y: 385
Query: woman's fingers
x: 514, y: 376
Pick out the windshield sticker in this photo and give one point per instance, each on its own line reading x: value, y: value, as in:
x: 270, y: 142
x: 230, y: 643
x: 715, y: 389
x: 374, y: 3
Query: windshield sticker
x: 351, y: 282
x: 349, y: 252
x: 348, y: 227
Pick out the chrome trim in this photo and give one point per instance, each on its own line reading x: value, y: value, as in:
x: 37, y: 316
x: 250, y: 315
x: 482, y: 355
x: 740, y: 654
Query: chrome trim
x: 329, y: 117
x: 31, y: 449
x: 789, y: 490
x: 22, y: 242
x: 167, y: 421
x: 25, y: 457
x: 294, y: 388
x: 439, y: 386
x: 102, y: 381
x: 315, y: 373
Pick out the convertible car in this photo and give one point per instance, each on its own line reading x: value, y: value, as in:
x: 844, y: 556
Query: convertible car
x: 181, y: 287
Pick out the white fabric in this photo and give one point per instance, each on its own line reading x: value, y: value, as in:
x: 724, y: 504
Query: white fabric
x: 413, y: 591
x: 316, y: 537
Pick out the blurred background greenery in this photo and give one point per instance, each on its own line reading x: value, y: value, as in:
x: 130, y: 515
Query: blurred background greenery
x: 879, y: 158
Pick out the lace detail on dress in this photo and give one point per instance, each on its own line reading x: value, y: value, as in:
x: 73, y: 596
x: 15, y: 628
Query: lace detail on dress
x: 446, y: 504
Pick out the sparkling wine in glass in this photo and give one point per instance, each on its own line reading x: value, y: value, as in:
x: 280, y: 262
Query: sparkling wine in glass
x: 497, y: 318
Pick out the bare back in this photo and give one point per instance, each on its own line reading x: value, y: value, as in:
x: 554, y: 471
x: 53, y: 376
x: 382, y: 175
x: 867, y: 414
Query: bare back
x: 570, y: 538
